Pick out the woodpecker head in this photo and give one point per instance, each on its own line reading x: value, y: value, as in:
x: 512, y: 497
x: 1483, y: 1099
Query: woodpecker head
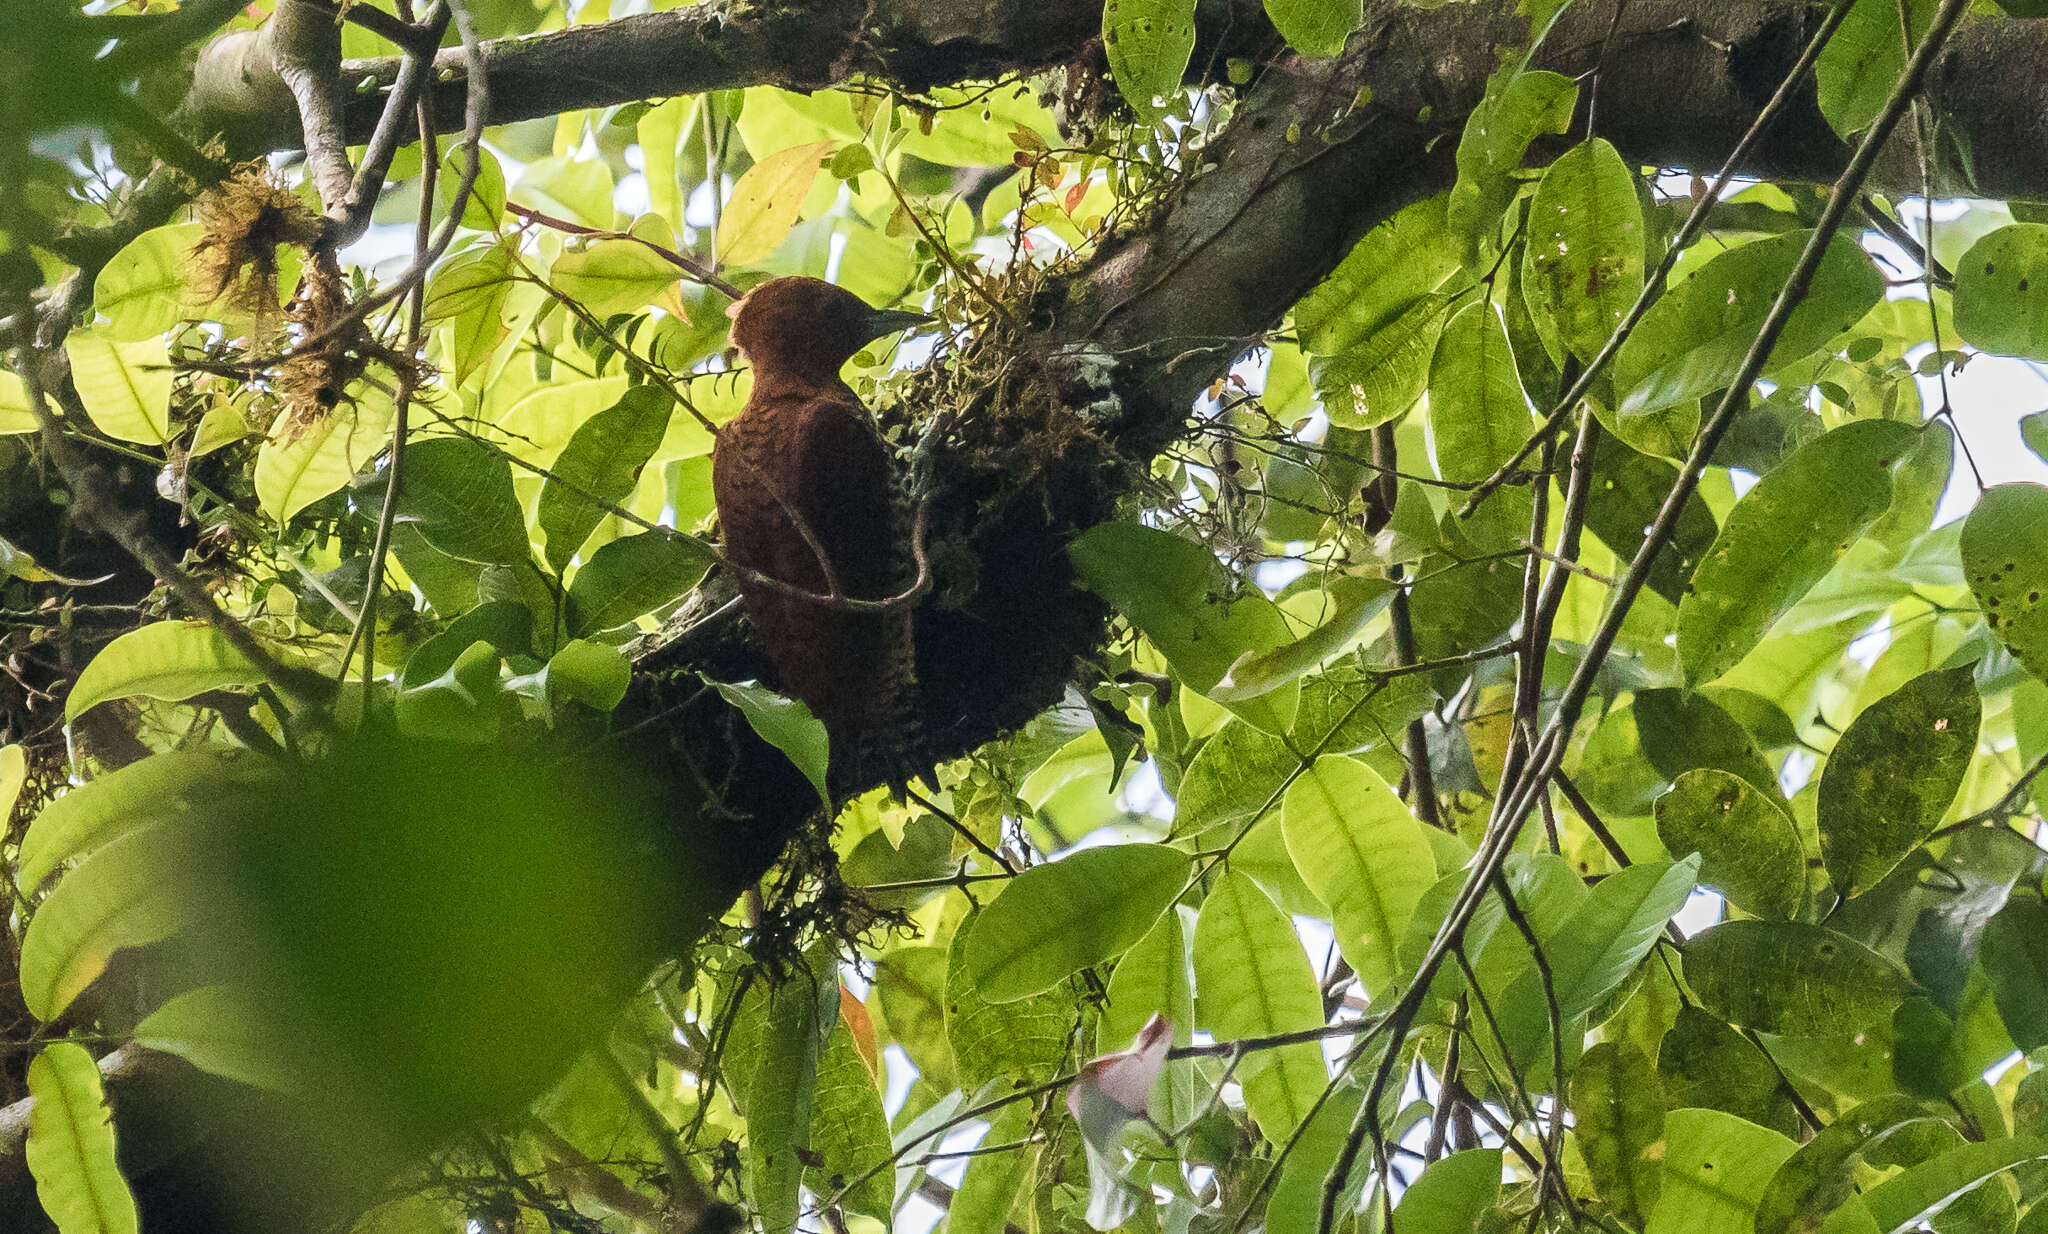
x: 808, y: 328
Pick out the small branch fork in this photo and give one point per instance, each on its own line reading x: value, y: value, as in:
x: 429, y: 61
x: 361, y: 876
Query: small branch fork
x: 1519, y: 795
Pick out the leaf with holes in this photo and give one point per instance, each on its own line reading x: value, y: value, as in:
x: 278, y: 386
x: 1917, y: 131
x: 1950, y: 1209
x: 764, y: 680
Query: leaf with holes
x: 1893, y: 774
x: 1148, y: 43
x: 2005, y: 560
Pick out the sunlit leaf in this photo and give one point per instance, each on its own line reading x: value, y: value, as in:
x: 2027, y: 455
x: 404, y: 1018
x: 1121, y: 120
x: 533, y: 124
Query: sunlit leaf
x: 70, y: 1149
x: 1714, y: 1166
x: 296, y: 468
x: 117, y: 897
x: 764, y: 203
x: 1058, y: 918
x: 1617, y: 1110
x: 1583, y: 265
x: 1693, y: 340
x: 1171, y: 589
x: 1252, y: 979
x: 1364, y: 855
x: 126, y: 387
x: 169, y: 660
x: 1452, y: 1195
x: 2005, y: 557
x: 1148, y: 43
x: 141, y: 290
x: 599, y: 468
x: 631, y: 577
x: 1862, y: 62
x: 617, y: 276
x: 1782, y: 537
x: 1316, y: 27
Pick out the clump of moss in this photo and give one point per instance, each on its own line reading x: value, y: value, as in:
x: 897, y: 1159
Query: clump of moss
x: 331, y: 348
x: 246, y: 221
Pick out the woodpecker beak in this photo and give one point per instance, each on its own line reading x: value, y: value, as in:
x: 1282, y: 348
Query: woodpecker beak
x: 892, y: 321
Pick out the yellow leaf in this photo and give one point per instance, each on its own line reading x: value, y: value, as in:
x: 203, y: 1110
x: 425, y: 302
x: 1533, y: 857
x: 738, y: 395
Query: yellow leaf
x: 765, y: 202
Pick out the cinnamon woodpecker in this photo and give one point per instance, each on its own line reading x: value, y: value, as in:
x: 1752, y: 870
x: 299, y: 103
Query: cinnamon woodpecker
x: 803, y: 487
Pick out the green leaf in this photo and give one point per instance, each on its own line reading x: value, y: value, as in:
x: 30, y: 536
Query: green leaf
x: 1782, y: 537
x: 484, y: 208
x: 631, y: 577
x: 218, y: 1030
x: 1902, y: 1202
x: 1363, y: 855
x: 168, y: 660
x: 126, y: 387
x: 163, y: 786
x: 1583, y: 264
x: 1174, y: 591
x: 16, y: 416
x: 1239, y: 770
x: 1316, y: 27
x: 2005, y: 558
x: 117, y: 897
x: 1708, y: 1064
x: 1353, y: 601
x: 1388, y: 270
x: 1379, y: 376
x: 1693, y: 340
x: 1252, y: 979
x: 2014, y: 951
x: 786, y: 724
x: 1591, y: 954
x: 1479, y: 418
x: 13, y: 776
x: 781, y: 1033
x: 1790, y: 978
x: 1056, y: 919
x: 1891, y: 777
x: 616, y: 276
x: 1617, y: 1110
x: 1685, y: 730
x: 1714, y: 1166
x: 1148, y: 43
x: 599, y: 469
x: 70, y: 1147
x: 1997, y: 309
x: 1816, y: 1179
x: 458, y: 493
x: 471, y: 280
x: 1025, y: 1041
x: 294, y: 471
x: 1749, y: 848
x: 1452, y: 1195
x: 1862, y: 62
x: 1518, y: 108
x: 141, y: 291
x: 1628, y: 490
x: 589, y: 673
x: 1296, y: 1203
x: 849, y: 1131
x: 764, y: 203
